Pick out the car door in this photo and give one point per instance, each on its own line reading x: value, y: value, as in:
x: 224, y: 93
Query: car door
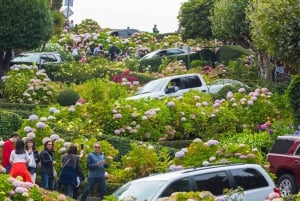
x: 180, y: 185
x: 253, y: 182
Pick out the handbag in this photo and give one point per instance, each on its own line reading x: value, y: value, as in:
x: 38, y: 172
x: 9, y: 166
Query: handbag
x: 54, y: 172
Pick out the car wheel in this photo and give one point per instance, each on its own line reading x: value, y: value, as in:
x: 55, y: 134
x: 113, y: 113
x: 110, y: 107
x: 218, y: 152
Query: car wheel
x: 287, y: 185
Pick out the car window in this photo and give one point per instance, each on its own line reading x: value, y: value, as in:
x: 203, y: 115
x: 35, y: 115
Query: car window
x: 174, y: 51
x: 162, y: 53
x: 152, y: 86
x: 191, y: 82
x: 297, y: 152
x: 51, y: 58
x: 182, y: 185
x: 249, y: 178
x: 214, y: 182
x: 281, y: 146
x: 139, y: 190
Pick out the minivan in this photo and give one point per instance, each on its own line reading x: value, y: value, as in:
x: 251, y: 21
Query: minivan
x: 252, y: 178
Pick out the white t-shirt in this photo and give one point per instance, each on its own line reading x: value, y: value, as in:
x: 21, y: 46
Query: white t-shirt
x: 17, y: 158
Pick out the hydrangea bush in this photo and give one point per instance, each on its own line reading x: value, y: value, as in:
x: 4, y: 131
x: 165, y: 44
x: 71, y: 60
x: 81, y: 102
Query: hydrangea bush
x: 27, y: 84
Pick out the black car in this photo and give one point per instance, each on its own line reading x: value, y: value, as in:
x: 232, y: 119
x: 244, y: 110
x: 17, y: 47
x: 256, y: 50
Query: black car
x: 123, y: 33
x: 37, y: 58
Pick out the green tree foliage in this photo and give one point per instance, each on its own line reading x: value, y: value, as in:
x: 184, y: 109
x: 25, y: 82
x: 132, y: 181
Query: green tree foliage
x: 294, y: 98
x: 229, y: 22
x: 24, y: 25
x: 193, y: 18
x: 275, y: 28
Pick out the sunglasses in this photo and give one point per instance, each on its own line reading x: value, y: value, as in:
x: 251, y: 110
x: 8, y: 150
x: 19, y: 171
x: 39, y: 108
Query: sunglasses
x: 97, y: 147
x: 49, y: 144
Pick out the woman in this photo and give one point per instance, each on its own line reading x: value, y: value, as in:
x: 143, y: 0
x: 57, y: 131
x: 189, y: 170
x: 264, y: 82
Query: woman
x: 47, y: 166
x: 70, y: 171
x: 19, y: 159
x: 34, y: 158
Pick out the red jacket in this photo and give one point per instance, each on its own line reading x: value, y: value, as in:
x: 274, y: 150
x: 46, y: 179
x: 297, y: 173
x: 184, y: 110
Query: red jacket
x: 8, y: 147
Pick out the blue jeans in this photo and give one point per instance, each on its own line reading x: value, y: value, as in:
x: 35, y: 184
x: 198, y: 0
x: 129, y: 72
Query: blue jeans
x: 101, y: 188
x: 47, y: 181
x: 68, y: 189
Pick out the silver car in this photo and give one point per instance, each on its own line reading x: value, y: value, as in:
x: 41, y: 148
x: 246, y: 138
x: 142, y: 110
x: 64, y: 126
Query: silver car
x: 165, y: 52
x: 255, y: 181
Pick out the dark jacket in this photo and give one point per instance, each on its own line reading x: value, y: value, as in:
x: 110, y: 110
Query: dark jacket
x: 46, y: 158
x: 71, y: 170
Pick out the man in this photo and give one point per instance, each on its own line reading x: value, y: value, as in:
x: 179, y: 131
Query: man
x: 96, y: 172
x: 114, y: 52
x: 155, y: 30
x: 8, y: 147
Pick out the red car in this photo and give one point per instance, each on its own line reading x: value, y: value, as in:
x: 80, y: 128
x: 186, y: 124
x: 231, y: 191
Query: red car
x: 284, y: 159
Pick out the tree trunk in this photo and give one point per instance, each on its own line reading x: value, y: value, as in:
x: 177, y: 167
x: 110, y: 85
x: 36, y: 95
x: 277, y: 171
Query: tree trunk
x: 264, y: 66
x: 5, y: 57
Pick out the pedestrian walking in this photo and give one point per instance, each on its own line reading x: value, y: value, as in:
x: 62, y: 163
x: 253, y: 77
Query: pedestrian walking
x: 96, y: 164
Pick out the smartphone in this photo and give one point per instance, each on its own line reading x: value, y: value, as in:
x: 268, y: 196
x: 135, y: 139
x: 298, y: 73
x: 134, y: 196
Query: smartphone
x: 81, y: 146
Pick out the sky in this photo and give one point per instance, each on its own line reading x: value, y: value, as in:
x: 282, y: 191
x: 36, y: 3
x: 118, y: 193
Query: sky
x: 137, y: 14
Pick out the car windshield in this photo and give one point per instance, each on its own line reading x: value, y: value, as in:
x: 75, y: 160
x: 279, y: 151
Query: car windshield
x: 150, y: 55
x: 145, y: 190
x: 152, y: 86
x: 32, y: 58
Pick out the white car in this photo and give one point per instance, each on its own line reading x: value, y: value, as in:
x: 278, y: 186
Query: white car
x: 255, y: 181
x: 171, y: 86
x: 216, y: 86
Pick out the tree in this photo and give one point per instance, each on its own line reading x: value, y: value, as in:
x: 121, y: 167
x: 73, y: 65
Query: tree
x: 193, y: 19
x: 25, y: 24
x: 275, y: 28
x: 229, y: 22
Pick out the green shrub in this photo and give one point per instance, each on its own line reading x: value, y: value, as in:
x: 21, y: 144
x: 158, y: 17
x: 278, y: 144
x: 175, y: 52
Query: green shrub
x: 228, y: 53
x: 294, y: 98
x: 9, y: 122
x: 67, y: 97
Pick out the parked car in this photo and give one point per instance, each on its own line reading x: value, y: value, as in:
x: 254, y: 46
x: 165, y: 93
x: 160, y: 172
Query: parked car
x: 255, y: 181
x: 217, y: 85
x: 284, y: 159
x: 165, y: 52
x: 37, y: 58
x: 123, y: 33
x: 171, y: 86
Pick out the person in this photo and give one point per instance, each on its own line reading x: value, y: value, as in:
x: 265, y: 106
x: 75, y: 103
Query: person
x: 70, y: 171
x: 96, y: 172
x: 155, y: 30
x: 114, y: 52
x: 8, y: 147
x: 99, y: 50
x: 75, y: 51
x: 47, y: 166
x: 33, y: 156
x: 173, y: 86
x: 19, y: 159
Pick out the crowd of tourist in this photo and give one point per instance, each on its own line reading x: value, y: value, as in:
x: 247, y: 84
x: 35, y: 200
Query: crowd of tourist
x: 20, y: 158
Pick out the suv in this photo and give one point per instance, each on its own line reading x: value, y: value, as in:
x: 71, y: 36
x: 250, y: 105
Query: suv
x: 255, y: 181
x: 37, y: 58
x: 284, y: 159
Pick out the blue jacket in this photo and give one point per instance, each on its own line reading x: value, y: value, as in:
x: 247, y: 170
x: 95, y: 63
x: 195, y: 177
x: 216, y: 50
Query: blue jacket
x: 93, y: 169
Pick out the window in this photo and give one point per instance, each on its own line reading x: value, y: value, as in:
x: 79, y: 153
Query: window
x: 182, y: 185
x: 191, y: 82
x: 249, y: 178
x: 281, y: 146
x: 214, y: 182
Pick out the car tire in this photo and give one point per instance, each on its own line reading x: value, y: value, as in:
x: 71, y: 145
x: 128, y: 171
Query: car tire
x: 287, y: 185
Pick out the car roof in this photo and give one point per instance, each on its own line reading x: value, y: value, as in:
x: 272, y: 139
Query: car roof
x: 190, y: 171
x: 289, y: 137
x: 178, y: 76
x: 38, y: 53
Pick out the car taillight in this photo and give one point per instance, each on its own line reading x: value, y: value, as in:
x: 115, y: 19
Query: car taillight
x: 276, y: 190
